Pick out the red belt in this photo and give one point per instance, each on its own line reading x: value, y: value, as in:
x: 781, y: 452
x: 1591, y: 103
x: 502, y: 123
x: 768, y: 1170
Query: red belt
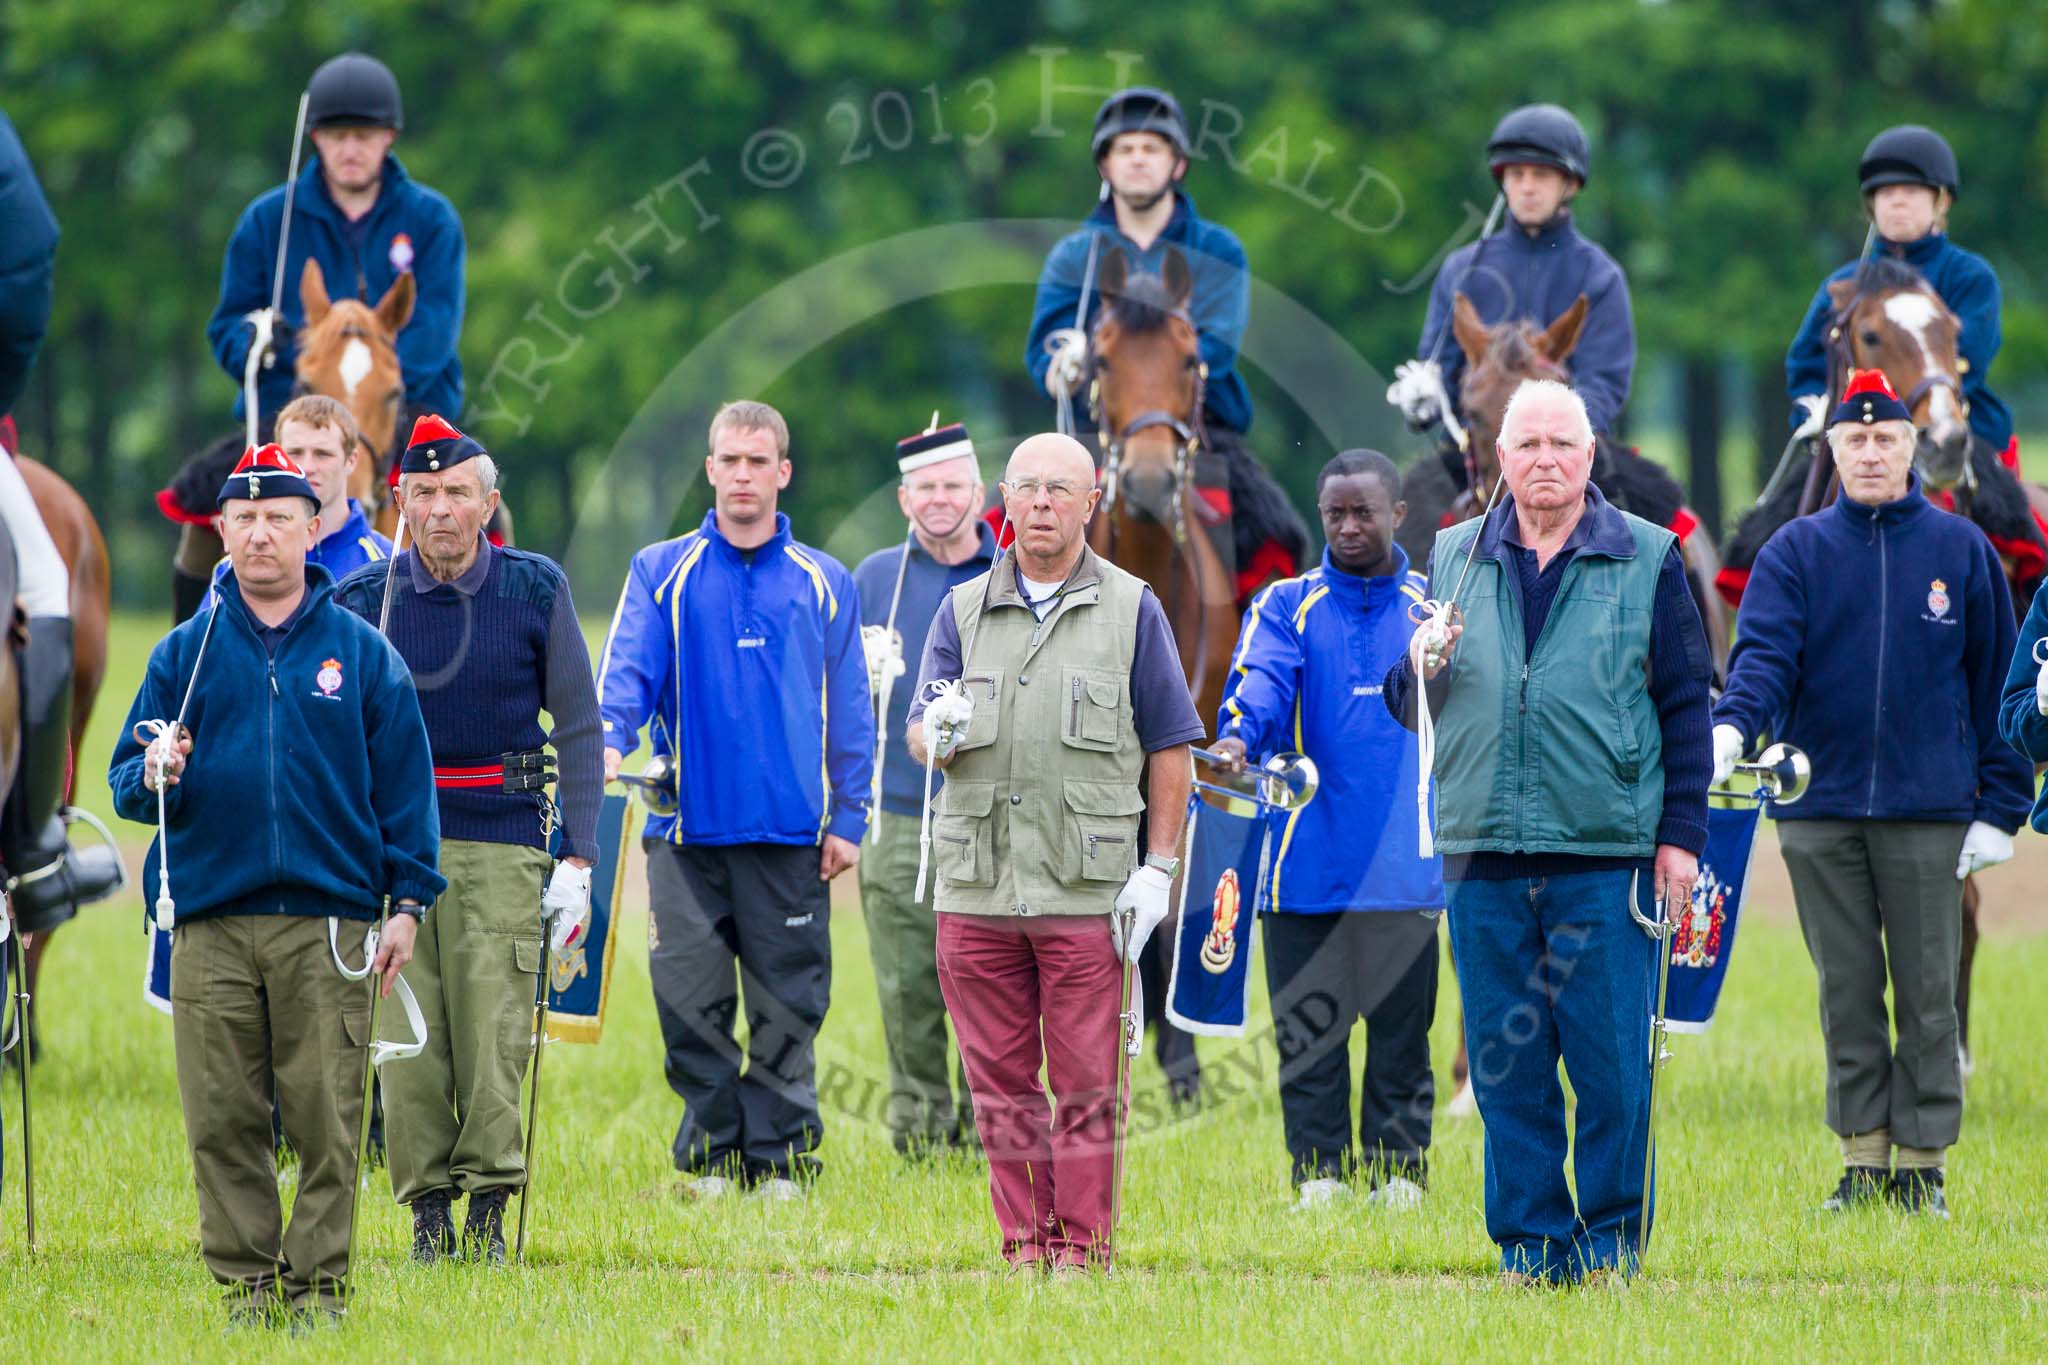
x: 518, y: 772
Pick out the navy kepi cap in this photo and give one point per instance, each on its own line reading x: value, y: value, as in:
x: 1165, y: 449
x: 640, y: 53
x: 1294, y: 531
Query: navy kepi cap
x: 1870, y: 398
x: 435, y: 446
x: 934, y: 445
x: 266, y: 472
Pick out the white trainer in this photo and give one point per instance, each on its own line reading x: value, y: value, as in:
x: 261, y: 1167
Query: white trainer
x: 1399, y: 1193
x: 1320, y: 1194
x: 777, y: 1190
x: 706, y: 1188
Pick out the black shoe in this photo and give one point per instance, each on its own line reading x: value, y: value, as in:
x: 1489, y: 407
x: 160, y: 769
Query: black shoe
x: 483, y: 1228
x: 1918, y: 1190
x: 433, y: 1228
x: 1860, y: 1185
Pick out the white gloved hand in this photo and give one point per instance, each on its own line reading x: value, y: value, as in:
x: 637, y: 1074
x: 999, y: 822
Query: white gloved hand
x: 883, y: 648
x: 1728, y: 747
x: 946, y: 719
x: 1068, y: 348
x: 566, y: 903
x: 1418, y: 391
x: 1145, y: 894
x: 2041, y: 689
x: 1983, y: 846
x: 1813, y: 409
x: 264, y: 321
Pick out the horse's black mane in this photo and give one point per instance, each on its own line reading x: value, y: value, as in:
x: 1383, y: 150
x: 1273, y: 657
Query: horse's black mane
x: 1887, y: 275
x: 1144, y: 303
x: 1512, y: 350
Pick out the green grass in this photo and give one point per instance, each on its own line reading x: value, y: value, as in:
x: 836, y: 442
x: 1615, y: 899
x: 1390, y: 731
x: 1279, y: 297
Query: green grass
x: 894, y: 1262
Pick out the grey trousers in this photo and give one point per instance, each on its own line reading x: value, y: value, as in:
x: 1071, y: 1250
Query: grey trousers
x: 1872, y: 895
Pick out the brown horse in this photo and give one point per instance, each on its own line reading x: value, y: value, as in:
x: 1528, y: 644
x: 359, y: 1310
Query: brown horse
x: 84, y: 549
x: 349, y: 350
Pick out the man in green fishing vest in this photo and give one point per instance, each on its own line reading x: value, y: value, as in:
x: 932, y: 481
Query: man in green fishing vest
x: 1573, y: 755
x: 1076, y: 690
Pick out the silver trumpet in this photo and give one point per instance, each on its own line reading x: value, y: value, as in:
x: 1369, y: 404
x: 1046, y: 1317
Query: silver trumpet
x: 1782, y: 773
x: 657, y: 784
x: 1284, y: 782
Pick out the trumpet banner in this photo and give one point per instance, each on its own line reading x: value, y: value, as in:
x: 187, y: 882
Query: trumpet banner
x: 579, y: 981
x: 1703, y: 938
x: 1223, y: 888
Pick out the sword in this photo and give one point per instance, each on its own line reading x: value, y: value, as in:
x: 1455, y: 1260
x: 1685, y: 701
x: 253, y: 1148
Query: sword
x: 1130, y: 1033
x: 355, y: 1185
x: 19, y: 953
x: 260, y: 344
x: 1658, y: 1056
x: 540, y: 1040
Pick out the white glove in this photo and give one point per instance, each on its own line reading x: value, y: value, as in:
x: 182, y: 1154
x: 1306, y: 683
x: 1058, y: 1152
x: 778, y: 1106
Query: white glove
x: 1146, y: 894
x: 567, y: 903
x: 1418, y: 391
x: 883, y: 648
x: 264, y: 321
x: 1813, y: 408
x: 946, y: 719
x: 1068, y: 348
x: 2041, y: 689
x: 1728, y: 747
x: 1983, y: 846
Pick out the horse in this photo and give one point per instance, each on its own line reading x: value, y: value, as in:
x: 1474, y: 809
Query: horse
x: 1156, y: 517
x: 84, y: 550
x: 1887, y: 317
x: 1497, y: 361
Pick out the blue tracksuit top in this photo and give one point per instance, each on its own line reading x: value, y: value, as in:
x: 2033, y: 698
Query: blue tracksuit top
x: 28, y: 257
x: 2019, y: 715
x: 1966, y: 283
x: 1877, y: 640
x: 410, y: 227
x: 1535, y: 277
x: 310, y: 789
x: 750, y: 667
x: 1221, y: 304
x: 1307, y: 676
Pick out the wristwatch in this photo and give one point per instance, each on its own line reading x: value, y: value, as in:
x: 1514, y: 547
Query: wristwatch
x: 1170, y: 866
x: 413, y: 908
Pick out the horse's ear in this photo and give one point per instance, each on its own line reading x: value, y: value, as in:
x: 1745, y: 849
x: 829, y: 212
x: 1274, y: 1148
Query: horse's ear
x: 1470, y: 332
x: 1561, y: 337
x: 313, y: 292
x: 1180, y: 281
x: 1840, y: 292
x: 1112, y: 274
x: 394, y: 310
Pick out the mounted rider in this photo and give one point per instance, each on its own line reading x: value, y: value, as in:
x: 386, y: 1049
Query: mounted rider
x: 1140, y: 145
x: 356, y: 212
x: 1532, y: 269
x: 1910, y: 180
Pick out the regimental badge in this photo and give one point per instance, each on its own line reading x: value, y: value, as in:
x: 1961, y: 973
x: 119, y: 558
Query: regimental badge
x: 1219, y: 948
x: 401, y: 253
x: 1696, y: 938
x: 565, y: 968
x: 255, y: 486
x: 329, y: 677
x: 1937, y: 598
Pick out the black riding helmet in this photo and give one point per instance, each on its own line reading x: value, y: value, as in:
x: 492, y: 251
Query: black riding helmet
x: 1909, y: 155
x: 1539, y: 135
x: 354, y: 88
x: 1140, y: 109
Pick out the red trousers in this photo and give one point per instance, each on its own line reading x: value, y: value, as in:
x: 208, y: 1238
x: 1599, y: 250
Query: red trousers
x: 1026, y: 994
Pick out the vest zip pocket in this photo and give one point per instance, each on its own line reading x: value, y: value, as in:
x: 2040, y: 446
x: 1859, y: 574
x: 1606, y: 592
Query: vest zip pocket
x: 1074, y: 715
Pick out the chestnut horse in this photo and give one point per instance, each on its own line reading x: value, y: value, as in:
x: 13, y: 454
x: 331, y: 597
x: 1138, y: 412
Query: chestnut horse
x: 84, y: 549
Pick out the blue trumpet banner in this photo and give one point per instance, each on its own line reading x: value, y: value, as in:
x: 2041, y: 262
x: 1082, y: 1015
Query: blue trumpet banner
x: 1703, y: 939
x: 1223, y: 888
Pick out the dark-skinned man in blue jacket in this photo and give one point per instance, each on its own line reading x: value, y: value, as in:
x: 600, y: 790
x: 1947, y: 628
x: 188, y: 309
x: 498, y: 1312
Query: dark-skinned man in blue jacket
x: 1875, y: 635
x: 297, y: 802
x: 743, y: 646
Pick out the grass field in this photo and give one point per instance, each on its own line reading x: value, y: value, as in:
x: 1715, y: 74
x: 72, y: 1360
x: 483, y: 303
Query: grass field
x: 893, y: 1262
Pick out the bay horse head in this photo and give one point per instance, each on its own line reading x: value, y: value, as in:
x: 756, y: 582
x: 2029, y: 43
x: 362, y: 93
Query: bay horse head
x: 1887, y: 317
x: 349, y: 351
x: 1147, y: 389
x: 1497, y: 360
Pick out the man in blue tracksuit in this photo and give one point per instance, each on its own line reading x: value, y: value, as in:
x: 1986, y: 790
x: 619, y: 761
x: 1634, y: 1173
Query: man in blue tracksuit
x: 299, y: 796
x: 1909, y: 179
x: 1875, y: 635
x: 744, y: 648
x: 1307, y: 676
x: 28, y: 254
x: 1532, y: 269
x: 367, y: 222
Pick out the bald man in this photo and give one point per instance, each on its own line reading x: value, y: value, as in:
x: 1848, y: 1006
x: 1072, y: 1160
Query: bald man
x: 1075, y: 683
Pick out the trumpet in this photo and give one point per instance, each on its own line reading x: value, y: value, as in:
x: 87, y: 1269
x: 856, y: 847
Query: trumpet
x: 1284, y: 782
x: 1782, y: 774
x: 657, y: 784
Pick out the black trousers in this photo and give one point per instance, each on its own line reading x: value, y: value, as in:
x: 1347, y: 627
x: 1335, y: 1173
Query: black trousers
x: 740, y: 922
x: 1323, y: 973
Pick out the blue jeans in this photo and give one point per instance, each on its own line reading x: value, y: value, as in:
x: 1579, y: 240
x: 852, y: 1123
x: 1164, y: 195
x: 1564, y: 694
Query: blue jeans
x: 1556, y: 968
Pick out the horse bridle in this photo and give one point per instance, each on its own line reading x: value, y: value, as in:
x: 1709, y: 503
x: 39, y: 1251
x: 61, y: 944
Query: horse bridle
x: 1842, y: 359
x: 378, y: 458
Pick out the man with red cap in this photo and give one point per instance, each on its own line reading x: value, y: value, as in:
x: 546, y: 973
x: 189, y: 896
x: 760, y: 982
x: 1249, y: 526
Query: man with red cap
x: 492, y: 637
x: 298, y: 720
x: 1875, y: 636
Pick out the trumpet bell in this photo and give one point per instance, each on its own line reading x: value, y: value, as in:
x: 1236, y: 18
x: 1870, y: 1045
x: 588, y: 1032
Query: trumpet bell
x: 1782, y: 773
x: 657, y: 786
x: 1288, y: 781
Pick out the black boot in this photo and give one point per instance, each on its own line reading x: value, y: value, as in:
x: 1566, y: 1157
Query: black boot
x: 483, y: 1227
x: 433, y: 1228
x: 1918, y: 1190
x: 1860, y: 1185
x: 50, y: 882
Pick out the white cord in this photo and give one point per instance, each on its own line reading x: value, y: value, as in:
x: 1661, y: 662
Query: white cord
x: 381, y: 1051
x: 948, y: 712
x: 162, y: 739
x: 1425, y: 648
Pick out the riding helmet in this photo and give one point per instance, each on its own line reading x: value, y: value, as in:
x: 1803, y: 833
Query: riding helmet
x: 1140, y: 109
x: 1539, y: 135
x: 354, y: 88
x: 1909, y: 155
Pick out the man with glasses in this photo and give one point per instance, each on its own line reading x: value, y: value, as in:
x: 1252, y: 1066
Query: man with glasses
x: 1074, y: 684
